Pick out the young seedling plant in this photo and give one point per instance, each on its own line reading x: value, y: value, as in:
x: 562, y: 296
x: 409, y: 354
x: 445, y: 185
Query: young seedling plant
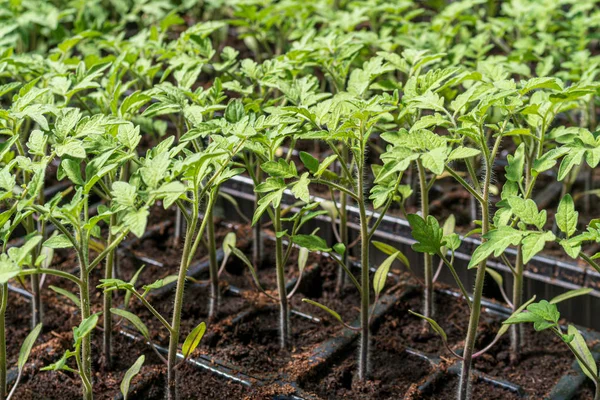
x: 188, y: 180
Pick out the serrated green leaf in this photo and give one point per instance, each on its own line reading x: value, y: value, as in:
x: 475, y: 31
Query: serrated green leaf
x: 427, y: 233
x: 498, y: 240
x: 533, y: 243
x: 566, y: 216
x: 300, y: 188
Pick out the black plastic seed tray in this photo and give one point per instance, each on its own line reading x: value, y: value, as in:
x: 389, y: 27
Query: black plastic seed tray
x: 544, y: 275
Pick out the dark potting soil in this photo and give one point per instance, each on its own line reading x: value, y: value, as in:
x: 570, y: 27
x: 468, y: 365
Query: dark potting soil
x: 194, y: 311
x: 62, y: 385
x: 253, y: 345
x: 446, y: 387
x: 586, y: 391
x: 393, y: 372
x: 544, y: 358
x: 164, y: 253
x: 193, y: 384
x: 451, y: 313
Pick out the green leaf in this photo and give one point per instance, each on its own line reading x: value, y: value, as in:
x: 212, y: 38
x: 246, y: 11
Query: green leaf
x: 579, y: 346
x: 245, y: 260
x: 571, y: 159
x: 435, y: 160
x: 136, y: 221
x: 311, y: 163
x: 85, y: 328
x: 427, y: 233
x: 541, y: 83
x: 311, y: 242
x: 497, y: 277
x: 302, y: 258
x: 527, y: 211
x: 280, y: 169
x: 72, y: 148
x: 234, y: 111
x: 566, y: 216
x: 229, y: 241
x: 8, y: 270
x: 516, y: 164
x: 570, y: 294
x: 325, y: 164
x: 134, y: 319
x: 506, y: 325
x: 170, y: 192
x: 67, y: 294
x: 324, y: 308
x: 463, y: 152
x: 388, y: 249
x: 193, y: 339
x: 28, y: 345
x: 59, y: 241
x: 123, y: 195
x: 572, y: 249
x: 130, y: 374
x: 73, y: 170
x: 381, y: 274
x: 339, y: 248
x: 434, y: 325
x: 300, y: 188
x: 534, y: 243
x: 264, y: 202
x: 498, y: 240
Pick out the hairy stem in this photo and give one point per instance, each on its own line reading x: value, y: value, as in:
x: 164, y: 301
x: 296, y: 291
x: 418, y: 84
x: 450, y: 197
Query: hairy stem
x: 284, y: 312
x: 363, y: 359
x: 4, y: 295
x: 86, y: 348
x: 517, y: 300
x: 464, y: 391
x: 427, y: 262
x: 341, y: 274
x: 213, y: 264
x: 107, y: 316
x: 257, y: 241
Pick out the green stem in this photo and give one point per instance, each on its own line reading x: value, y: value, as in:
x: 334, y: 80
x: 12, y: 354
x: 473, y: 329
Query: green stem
x: 363, y: 360
x: 257, y: 241
x: 427, y: 262
x: 341, y: 275
x: 464, y: 391
x: 86, y: 348
x: 3, y: 387
x: 517, y: 300
x: 176, y: 321
x: 213, y: 264
x: 284, y: 312
x: 108, y: 274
